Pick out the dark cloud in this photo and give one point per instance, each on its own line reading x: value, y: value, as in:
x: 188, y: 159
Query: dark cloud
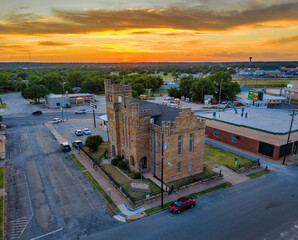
x: 285, y: 40
x: 51, y: 43
x: 178, y: 18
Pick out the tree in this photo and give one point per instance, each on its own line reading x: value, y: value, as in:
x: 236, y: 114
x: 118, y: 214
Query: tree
x: 185, y: 85
x: 93, y: 142
x: 35, y: 92
x: 52, y: 81
x: 201, y: 87
x: 139, y: 87
x: 174, y: 92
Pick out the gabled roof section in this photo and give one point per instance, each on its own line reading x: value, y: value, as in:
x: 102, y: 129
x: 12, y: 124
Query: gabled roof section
x: 159, y: 112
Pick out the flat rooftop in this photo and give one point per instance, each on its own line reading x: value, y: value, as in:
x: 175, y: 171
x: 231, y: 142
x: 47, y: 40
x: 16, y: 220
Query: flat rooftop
x: 274, y: 121
x: 69, y: 95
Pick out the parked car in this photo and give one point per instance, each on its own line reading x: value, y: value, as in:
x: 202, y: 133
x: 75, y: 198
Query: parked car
x: 87, y: 131
x: 182, y: 204
x: 37, y: 113
x: 80, y: 111
x: 57, y: 120
x: 65, y: 147
x: 77, y: 143
x: 79, y: 132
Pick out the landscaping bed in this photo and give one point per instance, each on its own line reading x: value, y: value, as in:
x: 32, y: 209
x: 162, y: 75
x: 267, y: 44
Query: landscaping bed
x: 1, y: 177
x: 258, y: 174
x: 208, y: 173
x: 121, y: 180
x: 220, y: 157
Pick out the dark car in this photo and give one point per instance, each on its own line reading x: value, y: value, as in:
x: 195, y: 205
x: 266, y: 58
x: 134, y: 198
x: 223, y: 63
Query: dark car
x: 80, y: 111
x: 77, y: 143
x: 65, y: 147
x: 37, y: 113
x: 182, y: 204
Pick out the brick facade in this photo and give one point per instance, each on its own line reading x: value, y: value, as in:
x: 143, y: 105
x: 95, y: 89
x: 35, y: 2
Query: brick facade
x: 134, y: 135
x: 242, y: 142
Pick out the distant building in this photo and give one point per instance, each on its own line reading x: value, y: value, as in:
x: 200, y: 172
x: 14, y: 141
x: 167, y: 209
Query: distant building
x: 139, y: 131
x: 263, y: 131
x: 68, y: 100
x: 291, y: 91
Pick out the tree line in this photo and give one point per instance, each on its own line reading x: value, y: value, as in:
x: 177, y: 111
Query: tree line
x: 196, y: 88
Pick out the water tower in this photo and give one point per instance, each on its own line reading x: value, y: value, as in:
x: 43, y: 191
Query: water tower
x: 250, y: 60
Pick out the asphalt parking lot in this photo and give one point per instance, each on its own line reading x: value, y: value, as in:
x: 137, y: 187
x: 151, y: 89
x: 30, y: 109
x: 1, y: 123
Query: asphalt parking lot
x: 67, y: 129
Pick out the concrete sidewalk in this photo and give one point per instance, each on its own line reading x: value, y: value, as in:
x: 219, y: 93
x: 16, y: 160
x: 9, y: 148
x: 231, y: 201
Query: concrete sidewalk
x: 230, y: 176
x: 155, y: 180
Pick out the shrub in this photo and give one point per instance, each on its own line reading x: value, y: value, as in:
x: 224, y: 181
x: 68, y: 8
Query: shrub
x: 120, y: 157
x: 136, y: 175
x: 93, y: 142
x: 115, y: 161
x: 122, y: 165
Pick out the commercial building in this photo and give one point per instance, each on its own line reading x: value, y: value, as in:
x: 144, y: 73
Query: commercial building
x: 291, y: 91
x: 142, y: 132
x: 68, y: 100
x: 263, y: 131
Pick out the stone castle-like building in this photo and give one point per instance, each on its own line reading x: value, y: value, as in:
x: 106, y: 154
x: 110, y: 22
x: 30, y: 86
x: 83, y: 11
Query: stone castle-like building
x: 138, y: 130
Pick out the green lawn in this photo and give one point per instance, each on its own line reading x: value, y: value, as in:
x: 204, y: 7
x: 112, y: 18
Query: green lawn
x: 262, y: 82
x: 1, y: 217
x: 194, y: 195
x: 99, y: 153
x: 1, y: 177
x: 3, y: 106
x: 77, y: 162
x: 101, y: 191
x: 125, y: 182
x: 258, y: 174
x: 221, y: 157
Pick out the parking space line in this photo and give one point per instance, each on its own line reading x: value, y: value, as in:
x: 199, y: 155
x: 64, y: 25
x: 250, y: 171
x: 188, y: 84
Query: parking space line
x: 47, y: 234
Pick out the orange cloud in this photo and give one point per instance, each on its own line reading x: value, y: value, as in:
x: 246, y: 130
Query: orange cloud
x: 51, y: 43
x: 98, y: 20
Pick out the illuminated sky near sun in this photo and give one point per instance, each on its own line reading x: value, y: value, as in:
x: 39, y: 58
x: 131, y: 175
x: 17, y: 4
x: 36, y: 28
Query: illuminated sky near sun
x: 148, y: 31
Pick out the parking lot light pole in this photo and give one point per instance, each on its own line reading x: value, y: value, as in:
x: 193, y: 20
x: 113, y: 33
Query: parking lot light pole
x: 286, y: 150
x: 162, y: 153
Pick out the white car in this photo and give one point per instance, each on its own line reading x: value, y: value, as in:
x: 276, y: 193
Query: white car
x: 79, y: 132
x: 57, y: 120
x: 86, y: 131
x: 80, y: 111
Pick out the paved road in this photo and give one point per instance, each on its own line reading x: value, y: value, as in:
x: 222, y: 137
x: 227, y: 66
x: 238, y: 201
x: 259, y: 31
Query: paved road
x: 47, y: 193
x: 263, y: 208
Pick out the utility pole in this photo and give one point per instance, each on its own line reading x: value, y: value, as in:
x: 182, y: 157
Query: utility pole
x: 94, y: 116
x: 219, y: 93
x: 162, y: 143
x: 283, y: 162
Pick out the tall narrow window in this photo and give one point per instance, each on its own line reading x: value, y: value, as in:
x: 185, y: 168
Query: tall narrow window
x: 189, y: 164
x: 216, y: 133
x: 191, y: 143
x: 112, y: 134
x: 123, y: 137
x: 179, y: 167
x: 179, y: 148
x: 159, y: 146
x: 158, y: 167
x: 151, y: 141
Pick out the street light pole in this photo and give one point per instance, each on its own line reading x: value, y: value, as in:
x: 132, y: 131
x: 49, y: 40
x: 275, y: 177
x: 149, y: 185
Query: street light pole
x: 219, y: 93
x: 162, y: 143
x: 283, y: 162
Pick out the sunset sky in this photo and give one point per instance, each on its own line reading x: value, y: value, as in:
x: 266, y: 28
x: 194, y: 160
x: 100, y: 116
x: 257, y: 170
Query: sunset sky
x: 148, y: 31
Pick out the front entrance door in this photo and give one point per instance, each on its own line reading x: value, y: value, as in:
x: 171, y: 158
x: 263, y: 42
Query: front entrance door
x: 144, y: 163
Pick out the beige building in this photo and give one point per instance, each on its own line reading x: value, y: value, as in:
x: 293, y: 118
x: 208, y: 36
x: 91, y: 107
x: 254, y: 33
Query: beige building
x: 139, y: 129
x: 292, y: 92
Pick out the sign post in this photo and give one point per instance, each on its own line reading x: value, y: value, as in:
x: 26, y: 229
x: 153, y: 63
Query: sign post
x: 236, y: 161
x: 93, y: 106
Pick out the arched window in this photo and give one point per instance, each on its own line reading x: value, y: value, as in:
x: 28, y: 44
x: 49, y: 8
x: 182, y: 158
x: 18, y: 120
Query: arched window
x: 132, y: 161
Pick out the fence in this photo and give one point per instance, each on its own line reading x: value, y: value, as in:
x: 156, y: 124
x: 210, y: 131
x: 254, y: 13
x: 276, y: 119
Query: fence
x: 115, y: 183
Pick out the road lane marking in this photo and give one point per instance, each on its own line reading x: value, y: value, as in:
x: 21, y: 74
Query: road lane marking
x: 47, y: 234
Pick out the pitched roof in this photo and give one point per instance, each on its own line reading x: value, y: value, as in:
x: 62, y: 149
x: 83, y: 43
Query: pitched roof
x: 159, y: 112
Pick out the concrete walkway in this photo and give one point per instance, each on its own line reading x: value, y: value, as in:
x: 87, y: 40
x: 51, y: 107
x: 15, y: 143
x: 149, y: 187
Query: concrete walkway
x: 59, y: 138
x: 231, y: 176
x: 155, y: 180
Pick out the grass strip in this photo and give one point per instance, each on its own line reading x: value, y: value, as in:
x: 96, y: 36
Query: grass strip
x: 209, y: 190
x: 1, y: 216
x: 102, y: 192
x: 194, y: 195
x: 1, y: 177
x: 77, y: 162
x: 258, y: 174
x: 3, y: 106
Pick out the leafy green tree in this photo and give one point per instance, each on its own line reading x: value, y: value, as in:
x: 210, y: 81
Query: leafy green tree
x: 93, y: 142
x: 139, y: 88
x: 35, y: 92
x: 174, y: 92
x: 185, y: 85
x: 52, y: 81
x: 5, y: 82
x: 20, y: 86
x: 75, y: 79
x: 201, y: 87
